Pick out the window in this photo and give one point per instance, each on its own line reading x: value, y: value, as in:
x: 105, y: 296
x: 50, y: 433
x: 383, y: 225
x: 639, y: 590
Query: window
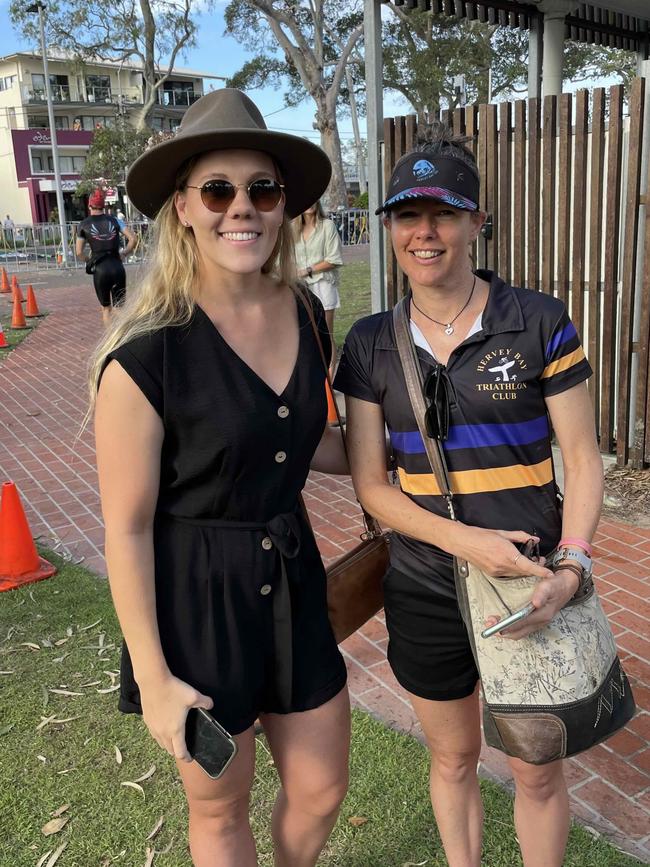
x: 62, y: 122
x: 78, y: 163
x: 157, y: 123
x: 7, y: 82
x: 90, y: 122
x: 98, y: 88
x: 37, y: 121
x: 58, y: 85
x: 37, y: 164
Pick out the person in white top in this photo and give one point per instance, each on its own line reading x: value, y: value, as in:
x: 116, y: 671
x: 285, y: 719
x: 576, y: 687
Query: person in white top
x: 319, y: 255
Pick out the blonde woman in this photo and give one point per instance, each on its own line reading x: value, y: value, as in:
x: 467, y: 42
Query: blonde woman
x: 319, y: 256
x: 209, y: 413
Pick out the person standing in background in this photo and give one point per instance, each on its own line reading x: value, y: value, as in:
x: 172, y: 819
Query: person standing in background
x: 319, y: 255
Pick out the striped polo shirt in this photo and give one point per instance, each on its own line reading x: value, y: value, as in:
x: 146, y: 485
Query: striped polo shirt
x: 499, y: 448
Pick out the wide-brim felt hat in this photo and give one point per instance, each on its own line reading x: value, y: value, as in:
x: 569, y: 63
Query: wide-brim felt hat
x: 220, y: 120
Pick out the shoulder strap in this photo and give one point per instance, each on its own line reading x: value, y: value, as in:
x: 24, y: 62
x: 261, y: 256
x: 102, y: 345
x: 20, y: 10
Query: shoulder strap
x: 371, y: 525
x: 414, y: 383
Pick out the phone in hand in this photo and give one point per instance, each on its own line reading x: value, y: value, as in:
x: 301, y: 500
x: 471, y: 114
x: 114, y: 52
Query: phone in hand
x: 209, y: 744
x: 508, y: 621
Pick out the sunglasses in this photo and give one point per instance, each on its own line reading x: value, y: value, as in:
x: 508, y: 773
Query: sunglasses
x: 436, y: 390
x: 217, y: 196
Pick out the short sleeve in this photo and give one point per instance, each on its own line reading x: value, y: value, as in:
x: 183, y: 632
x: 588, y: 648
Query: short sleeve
x: 565, y: 362
x: 142, y: 359
x: 332, y: 253
x: 81, y: 232
x: 353, y: 376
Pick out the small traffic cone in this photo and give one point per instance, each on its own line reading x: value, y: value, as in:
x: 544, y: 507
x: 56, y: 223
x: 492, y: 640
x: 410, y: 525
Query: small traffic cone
x: 32, y: 306
x: 4, y: 283
x: 332, y: 417
x: 19, y: 560
x: 15, y: 288
x: 18, y: 318
x: 3, y: 339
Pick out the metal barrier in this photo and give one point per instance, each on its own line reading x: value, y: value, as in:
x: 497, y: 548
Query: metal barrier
x: 38, y: 246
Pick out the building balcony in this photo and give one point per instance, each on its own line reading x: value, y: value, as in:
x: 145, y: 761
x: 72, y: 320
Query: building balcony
x: 63, y: 94
x: 178, y: 98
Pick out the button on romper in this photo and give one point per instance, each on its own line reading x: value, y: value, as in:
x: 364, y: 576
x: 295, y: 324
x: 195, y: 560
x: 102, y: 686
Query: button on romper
x: 240, y: 584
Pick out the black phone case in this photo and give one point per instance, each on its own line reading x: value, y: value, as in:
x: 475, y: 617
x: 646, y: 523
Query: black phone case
x: 209, y: 744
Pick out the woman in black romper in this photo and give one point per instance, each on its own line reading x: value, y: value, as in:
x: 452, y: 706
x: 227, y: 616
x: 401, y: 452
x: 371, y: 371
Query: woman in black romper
x: 210, y: 411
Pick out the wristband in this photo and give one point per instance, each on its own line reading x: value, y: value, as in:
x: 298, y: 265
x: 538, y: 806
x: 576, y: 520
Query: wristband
x: 581, y: 543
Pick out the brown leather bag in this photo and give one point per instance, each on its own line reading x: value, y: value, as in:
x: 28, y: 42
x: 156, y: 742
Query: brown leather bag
x: 354, y: 581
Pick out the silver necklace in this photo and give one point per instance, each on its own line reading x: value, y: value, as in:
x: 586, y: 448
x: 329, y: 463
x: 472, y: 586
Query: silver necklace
x: 448, y: 326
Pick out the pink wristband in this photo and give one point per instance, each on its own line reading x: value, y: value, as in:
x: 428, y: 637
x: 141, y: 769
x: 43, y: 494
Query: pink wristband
x: 580, y: 543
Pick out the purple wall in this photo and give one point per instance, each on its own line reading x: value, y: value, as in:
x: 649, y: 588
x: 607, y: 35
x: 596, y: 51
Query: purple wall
x: 23, y: 138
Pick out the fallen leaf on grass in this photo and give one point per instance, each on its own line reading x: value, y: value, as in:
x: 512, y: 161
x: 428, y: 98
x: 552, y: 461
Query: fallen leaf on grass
x: 109, y: 689
x: 415, y: 863
x: 151, y: 854
x: 61, y: 658
x: 30, y: 644
x: 6, y: 729
x: 55, y: 825
x: 61, y: 641
x: 134, y: 786
x: 7, y: 672
x: 44, y: 858
x: 46, y: 642
x: 52, y: 720
x: 61, y: 810
x: 357, y: 821
x: 55, y: 855
x: 156, y: 828
x: 41, y: 759
x: 90, y: 626
x: 64, y: 692
x: 146, y: 775
x: 91, y: 683
x: 69, y: 631
x: 118, y: 755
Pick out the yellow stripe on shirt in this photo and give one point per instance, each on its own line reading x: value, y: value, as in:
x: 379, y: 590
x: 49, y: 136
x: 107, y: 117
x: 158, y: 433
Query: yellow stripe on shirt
x: 480, y: 481
x: 563, y: 363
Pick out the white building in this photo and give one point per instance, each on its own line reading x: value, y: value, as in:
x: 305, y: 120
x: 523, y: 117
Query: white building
x: 83, y: 101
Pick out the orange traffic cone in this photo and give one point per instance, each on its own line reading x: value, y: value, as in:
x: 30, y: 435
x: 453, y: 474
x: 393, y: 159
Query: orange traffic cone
x: 18, y: 317
x: 16, y: 288
x: 19, y: 560
x: 332, y: 417
x: 32, y: 306
x: 3, y: 339
x: 4, y: 283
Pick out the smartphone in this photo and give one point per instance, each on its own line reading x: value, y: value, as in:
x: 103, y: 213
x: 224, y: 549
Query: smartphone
x: 209, y: 744
x: 508, y: 621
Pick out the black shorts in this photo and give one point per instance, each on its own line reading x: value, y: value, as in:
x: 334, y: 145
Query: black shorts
x: 429, y: 649
x: 109, y: 278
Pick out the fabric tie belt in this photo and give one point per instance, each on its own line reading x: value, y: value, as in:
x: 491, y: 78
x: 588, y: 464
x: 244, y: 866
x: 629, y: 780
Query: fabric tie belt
x: 284, y: 531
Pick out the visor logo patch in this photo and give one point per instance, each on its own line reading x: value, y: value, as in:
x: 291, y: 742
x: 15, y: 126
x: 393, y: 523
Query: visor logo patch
x: 424, y: 169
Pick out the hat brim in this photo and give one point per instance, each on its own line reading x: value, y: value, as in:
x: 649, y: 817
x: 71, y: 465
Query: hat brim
x: 305, y: 168
x: 438, y: 194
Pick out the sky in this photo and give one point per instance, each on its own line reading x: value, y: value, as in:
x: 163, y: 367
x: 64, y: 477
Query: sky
x: 231, y: 56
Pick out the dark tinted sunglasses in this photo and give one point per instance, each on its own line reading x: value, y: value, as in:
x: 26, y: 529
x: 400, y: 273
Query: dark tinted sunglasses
x: 218, y: 195
x: 436, y: 390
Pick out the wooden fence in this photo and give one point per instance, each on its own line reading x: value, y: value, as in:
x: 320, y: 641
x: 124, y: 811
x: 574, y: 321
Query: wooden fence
x: 561, y: 183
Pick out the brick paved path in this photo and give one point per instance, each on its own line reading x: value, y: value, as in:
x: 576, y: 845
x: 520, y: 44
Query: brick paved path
x: 42, y: 403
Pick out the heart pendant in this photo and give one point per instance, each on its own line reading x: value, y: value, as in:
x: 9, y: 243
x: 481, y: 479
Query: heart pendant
x: 449, y: 329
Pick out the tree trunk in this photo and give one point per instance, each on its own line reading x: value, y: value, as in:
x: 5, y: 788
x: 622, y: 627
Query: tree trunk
x: 330, y: 140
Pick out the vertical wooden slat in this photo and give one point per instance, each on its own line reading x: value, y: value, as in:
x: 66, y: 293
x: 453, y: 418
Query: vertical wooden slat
x: 564, y: 197
x: 532, y: 280
x: 505, y: 182
x: 459, y: 122
x: 519, y: 202
x: 548, y: 194
x: 579, y: 210
x: 640, y: 431
x: 482, y: 149
x: 471, y: 131
x: 610, y: 273
x: 595, y: 240
x: 389, y: 162
x: 636, y: 103
x: 445, y: 116
x: 492, y: 168
x: 646, y: 295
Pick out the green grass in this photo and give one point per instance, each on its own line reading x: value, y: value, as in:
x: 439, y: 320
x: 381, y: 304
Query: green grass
x: 355, y: 298
x: 74, y: 763
x: 15, y: 337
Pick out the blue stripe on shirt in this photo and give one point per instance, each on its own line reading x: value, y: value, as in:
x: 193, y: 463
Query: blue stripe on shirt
x: 561, y: 337
x: 470, y: 436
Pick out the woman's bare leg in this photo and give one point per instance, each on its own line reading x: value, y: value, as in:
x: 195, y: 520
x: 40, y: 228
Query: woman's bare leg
x: 453, y: 735
x: 541, y: 812
x: 311, y: 753
x: 220, y: 834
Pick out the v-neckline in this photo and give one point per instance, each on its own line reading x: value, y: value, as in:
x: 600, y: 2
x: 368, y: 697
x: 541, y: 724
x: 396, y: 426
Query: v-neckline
x: 247, y: 366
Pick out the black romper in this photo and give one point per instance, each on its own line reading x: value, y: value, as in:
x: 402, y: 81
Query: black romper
x: 240, y: 584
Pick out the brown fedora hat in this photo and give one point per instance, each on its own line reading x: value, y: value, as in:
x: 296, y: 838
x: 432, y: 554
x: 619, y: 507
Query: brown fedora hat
x: 220, y: 120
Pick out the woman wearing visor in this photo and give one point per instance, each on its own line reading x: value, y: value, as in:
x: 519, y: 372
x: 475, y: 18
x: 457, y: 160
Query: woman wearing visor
x: 210, y: 411
x: 498, y: 361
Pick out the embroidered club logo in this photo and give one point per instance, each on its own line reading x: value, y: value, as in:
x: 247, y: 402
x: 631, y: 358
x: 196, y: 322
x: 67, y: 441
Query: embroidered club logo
x: 424, y: 169
x: 504, y: 368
